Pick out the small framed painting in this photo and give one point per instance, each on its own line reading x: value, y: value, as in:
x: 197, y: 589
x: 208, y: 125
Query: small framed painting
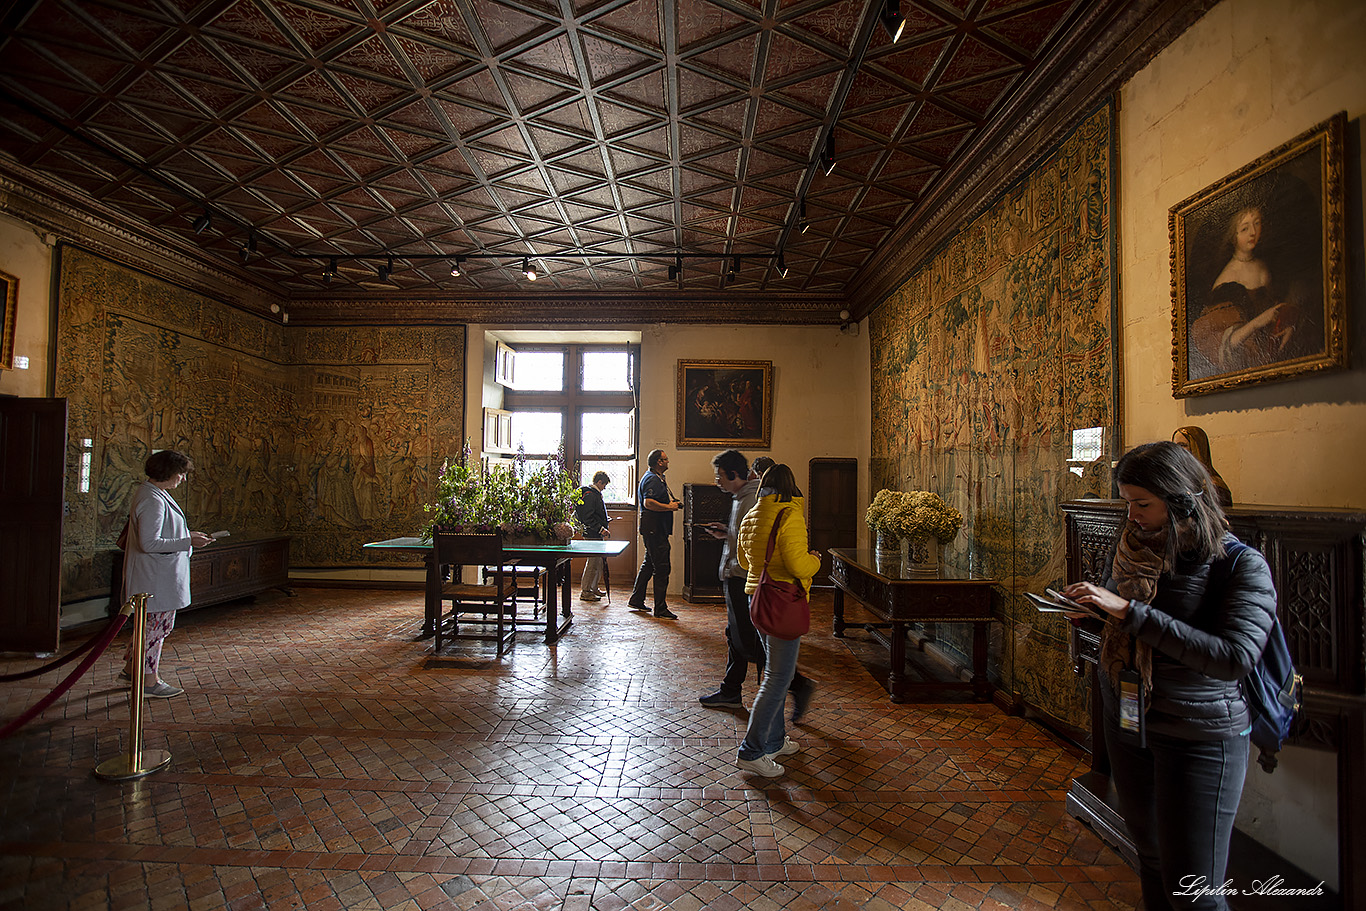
x: 725, y: 404
x: 1259, y: 276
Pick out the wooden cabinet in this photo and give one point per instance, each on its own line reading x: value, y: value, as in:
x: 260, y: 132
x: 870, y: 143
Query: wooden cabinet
x: 703, y: 503
x: 228, y: 569
x: 1317, y: 560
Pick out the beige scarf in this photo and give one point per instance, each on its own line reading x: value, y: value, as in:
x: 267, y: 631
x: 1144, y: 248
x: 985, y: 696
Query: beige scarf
x: 1139, y: 560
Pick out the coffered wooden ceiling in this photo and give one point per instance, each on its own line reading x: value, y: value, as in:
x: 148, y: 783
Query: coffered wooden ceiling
x: 604, y: 141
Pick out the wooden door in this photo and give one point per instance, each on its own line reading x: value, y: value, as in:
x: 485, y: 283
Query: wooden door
x: 832, y: 509
x: 32, y: 467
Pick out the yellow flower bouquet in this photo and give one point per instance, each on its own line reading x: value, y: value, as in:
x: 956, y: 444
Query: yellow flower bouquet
x: 914, y: 514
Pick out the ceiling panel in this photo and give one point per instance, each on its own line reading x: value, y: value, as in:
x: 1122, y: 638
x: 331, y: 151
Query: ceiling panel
x: 634, y: 130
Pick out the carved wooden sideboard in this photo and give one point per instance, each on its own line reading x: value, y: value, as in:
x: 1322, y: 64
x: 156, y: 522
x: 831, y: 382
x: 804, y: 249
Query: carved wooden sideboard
x: 227, y: 569
x: 1318, y: 559
x: 703, y: 503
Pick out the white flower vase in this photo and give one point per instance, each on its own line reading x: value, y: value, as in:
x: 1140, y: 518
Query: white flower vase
x: 920, y: 558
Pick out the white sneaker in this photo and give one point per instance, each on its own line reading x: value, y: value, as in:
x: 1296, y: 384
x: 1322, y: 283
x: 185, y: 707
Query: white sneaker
x: 789, y: 747
x: 762, y: 766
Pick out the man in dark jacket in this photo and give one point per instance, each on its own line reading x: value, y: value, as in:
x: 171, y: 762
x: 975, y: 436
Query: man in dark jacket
x: 657, y: 506
x: 733, y: 475
x: 592, y: 515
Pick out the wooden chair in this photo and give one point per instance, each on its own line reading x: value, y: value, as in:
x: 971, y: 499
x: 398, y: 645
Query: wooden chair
x: 528, y: 583
x: 494, y: 602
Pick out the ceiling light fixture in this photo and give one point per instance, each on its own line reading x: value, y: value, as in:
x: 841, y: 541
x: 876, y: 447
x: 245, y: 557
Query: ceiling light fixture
x: 782, y: 265
x: 734, y: 269
x: 330, y: 271
x: 827, y: 159
x: 676, y: 270
x: 455, y: 267
x: 249, y: 248
x: 528, y: 269
x: 892, y: 21
x: 386, y: 270
x: 802, y: 224
x: 203, y: 223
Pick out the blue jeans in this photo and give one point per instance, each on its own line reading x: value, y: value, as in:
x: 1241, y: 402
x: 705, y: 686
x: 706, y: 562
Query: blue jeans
x: 1179, y: 798
x: 766, y: 731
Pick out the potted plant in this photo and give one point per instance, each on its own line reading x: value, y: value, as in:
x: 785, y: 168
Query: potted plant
x: 519, y: 501
x: 912, y: 525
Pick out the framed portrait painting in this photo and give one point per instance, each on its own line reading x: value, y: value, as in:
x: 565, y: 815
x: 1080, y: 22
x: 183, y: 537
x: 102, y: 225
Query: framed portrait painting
x: 9, y: 312
x: 725, y: 404
x: 1258, y: 270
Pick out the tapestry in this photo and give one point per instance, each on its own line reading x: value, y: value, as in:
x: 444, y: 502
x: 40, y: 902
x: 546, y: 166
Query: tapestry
x: 993, y: 385
x: 329, y: 435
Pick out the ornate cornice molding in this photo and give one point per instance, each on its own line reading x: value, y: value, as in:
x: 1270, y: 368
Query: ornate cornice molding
x: 53, y: 209
x: 1058, y: 97
x: 589, y: 309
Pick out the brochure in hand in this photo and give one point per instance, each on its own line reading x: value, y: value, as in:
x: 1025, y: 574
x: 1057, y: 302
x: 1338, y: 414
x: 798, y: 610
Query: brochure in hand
x: 1055, y: 602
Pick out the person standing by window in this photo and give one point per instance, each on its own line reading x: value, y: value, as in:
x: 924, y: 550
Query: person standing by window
x: 657, y: 506
x: 592, y: 514
x: 157, y: 561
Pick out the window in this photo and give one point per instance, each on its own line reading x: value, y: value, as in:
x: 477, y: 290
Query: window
x: 583, y: 395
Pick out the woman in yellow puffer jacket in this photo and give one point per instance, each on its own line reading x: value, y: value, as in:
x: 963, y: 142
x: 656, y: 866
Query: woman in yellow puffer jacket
x: 766, y: 738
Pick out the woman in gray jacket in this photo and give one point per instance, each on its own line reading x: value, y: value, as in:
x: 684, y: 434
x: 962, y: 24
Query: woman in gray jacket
x: 1185, y: 623
x: 157, y: 561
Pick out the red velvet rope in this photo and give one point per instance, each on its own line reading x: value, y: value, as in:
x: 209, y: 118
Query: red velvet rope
x: 34, y: 672
x: 103, y: 639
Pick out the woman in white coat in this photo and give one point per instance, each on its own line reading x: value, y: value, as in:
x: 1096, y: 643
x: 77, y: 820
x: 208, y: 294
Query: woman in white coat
x: 157, y: 561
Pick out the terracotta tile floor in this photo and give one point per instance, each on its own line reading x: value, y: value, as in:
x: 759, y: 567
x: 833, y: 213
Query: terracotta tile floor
x: 324, y: 759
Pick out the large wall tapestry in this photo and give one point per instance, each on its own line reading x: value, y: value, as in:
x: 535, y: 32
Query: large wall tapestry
x: 328, y: 435
x: 992, y: 368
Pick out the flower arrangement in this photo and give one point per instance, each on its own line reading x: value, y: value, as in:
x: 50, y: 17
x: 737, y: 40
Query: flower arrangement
x: 917, y: 514
x: 516, y: 500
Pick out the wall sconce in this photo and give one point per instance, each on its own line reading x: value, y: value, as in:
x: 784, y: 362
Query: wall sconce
x: 846, y: 327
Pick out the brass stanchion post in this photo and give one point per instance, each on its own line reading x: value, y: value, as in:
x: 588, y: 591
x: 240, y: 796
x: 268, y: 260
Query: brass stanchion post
x: 137, y: 763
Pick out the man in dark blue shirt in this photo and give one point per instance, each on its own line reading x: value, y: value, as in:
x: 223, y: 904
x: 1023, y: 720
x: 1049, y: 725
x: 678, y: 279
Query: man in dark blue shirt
x: 657, y: 506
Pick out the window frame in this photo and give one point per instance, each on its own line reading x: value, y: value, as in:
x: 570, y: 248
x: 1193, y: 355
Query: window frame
x: 572, y: 401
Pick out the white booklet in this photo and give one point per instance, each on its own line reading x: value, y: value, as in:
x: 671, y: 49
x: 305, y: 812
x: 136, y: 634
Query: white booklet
x: 1058, y: 603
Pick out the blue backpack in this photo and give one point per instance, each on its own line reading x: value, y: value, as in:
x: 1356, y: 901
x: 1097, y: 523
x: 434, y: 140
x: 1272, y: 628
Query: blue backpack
x: 1271, y: 689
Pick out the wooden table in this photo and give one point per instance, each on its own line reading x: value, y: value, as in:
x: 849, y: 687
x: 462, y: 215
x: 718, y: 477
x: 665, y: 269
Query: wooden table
x: 554, y: 557
x: 901, y: 601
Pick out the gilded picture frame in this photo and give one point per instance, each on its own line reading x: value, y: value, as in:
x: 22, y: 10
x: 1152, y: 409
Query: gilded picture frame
x: 725, y: 404
x: 1259, y: 276
x: 9, y: 312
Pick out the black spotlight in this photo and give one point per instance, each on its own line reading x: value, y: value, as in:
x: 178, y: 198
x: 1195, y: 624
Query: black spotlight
x: 330, y: 270
x: 528, y: 269
x: 892, y: 21
x: 782, y: 266
x: 734, y: 270
x: 455, y: 266
x: 827, y: 159
x: 802, y: 224
x: 676, y: 269
x: 203, y: 222
x: 386, y: 270
x: 249, y: 248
